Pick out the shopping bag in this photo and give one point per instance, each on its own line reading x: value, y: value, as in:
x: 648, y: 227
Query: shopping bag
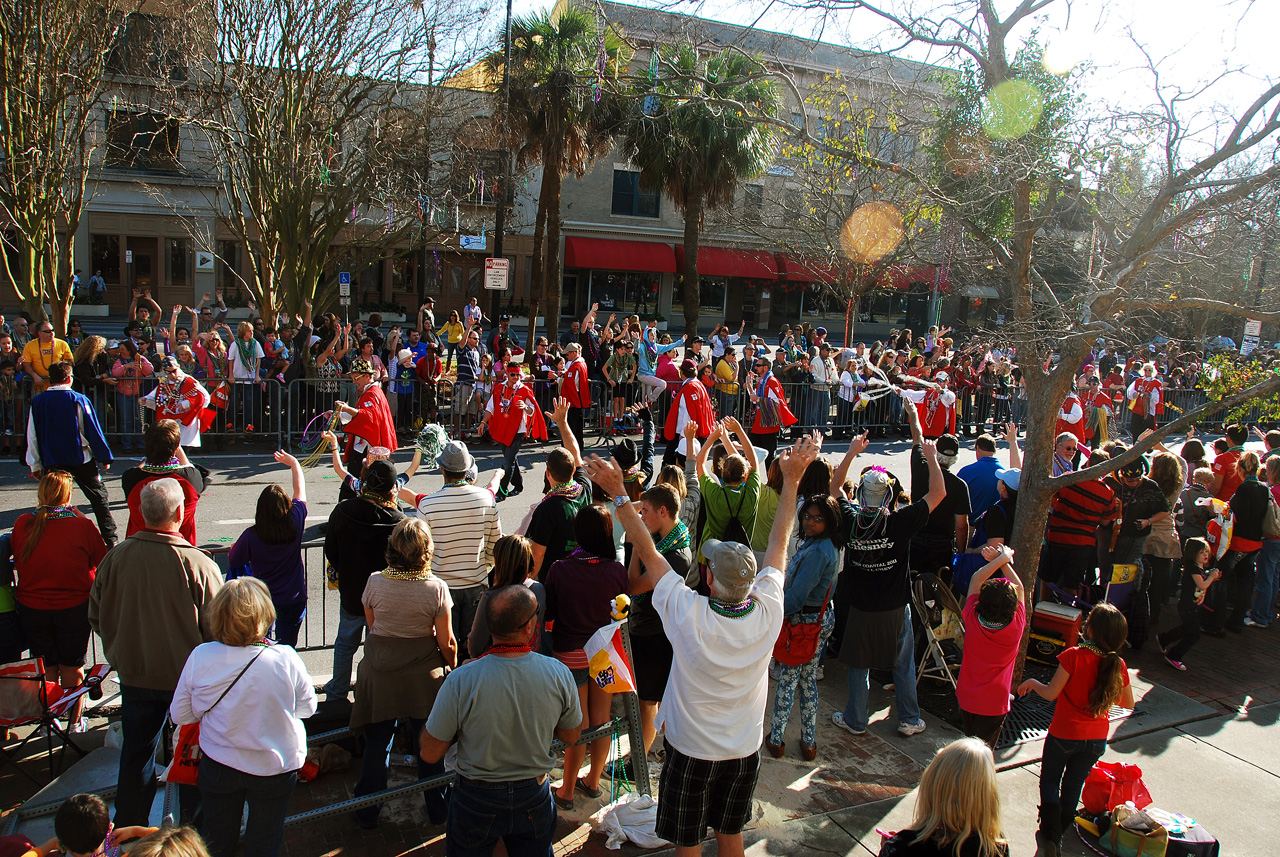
x: 1133, y: 833
x: 1111, y: 784
x: 184, y: 770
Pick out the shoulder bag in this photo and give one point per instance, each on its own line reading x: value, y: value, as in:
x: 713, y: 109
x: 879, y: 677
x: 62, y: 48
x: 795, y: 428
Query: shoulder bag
x: 798, y: 642
x: 184, y: 770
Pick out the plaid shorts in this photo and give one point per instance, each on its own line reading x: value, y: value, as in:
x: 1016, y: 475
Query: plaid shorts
x: 695, y: 793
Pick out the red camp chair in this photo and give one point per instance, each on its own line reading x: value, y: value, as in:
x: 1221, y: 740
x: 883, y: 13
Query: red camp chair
x: 27, y: 698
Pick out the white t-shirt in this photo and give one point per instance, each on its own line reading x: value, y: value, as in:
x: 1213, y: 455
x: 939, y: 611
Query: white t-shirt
x: 239, y: 371
x: 715, y: 699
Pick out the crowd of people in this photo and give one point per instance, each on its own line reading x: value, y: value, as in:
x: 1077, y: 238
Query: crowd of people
x: 474, y: 637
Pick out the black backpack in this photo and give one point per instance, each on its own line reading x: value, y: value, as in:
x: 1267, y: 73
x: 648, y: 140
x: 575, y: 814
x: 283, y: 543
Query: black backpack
x: 734, y: 531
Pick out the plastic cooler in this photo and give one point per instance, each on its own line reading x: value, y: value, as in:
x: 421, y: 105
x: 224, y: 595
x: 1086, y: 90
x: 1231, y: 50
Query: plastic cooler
x: 1054, y: 628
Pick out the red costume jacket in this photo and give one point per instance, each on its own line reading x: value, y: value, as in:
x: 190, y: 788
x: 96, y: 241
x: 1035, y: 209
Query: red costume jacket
x: 936, y: 416
x: 374, y: 423
x: 1077, y: 427
x: 697, y: 403
x: 576, y: 387
x: 1097, y: 400
x: 774, y: 386
x: 1144, y: 387
x: 169, y: 397
x: 508, y: 408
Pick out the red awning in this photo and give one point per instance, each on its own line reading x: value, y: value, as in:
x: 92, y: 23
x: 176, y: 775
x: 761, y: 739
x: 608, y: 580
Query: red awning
x: 605, y: 254
x: 808, y: 270
x: 904, y: 276
x: 723, y: 262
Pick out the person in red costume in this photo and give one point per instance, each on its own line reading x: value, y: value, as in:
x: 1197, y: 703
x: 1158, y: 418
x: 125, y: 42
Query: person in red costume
x: 772, y: 413
x: 691, y: 401
x: 370, y: 422
x: 1098, y: 409
x: 179, y: 397
x: 511, y: 416
x: 936, y: 406
x: 1071, y: 417
x: 576, y: 388
x: 1146, y: 400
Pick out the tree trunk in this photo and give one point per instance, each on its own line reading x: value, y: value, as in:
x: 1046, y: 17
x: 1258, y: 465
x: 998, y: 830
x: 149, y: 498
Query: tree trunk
x: 692, y: 292
x: 554, y: 280
x: 538, y: 281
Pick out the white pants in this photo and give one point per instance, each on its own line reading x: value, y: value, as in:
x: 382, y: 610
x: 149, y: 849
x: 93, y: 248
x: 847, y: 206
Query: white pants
x: 653, y: 387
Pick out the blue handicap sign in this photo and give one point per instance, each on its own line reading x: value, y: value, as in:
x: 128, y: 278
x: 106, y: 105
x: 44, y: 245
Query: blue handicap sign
x: 344, y: 278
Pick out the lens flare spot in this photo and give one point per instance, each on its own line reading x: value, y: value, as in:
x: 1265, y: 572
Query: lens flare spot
x: 1011, y: 109
x: 871, y: 232
x: 1065, y: 52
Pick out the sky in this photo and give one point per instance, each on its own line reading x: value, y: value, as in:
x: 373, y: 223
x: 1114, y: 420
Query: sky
x: 1191, y: 41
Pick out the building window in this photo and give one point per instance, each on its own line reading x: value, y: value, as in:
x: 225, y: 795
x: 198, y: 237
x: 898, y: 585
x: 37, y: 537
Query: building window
x: 891, y: 146
x: 148, y: 46
x: 228, y: 268
x: 104, y: 255
x: 625, y: 291
x: 711, y: 292
x: 753, y: 203
x: 142, y: 141
x: 179, y: 261
x: 629, y: 199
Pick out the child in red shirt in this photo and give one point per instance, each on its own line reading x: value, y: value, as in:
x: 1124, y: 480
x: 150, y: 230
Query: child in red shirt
x: 1090, y: 679
x: 994, y: 618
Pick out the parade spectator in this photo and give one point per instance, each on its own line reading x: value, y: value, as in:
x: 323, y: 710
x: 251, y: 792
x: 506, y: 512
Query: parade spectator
x: 271, y: 550
x: 729, y: 501
x: 948, y: 528
x: 810, y: 579
x: 464, y: 531
x: 1075, y: 516
x: 1238, y: 565
x: 250, y: 699
x: 512, y: 566
x: 466, y: 402
x: 878, y: 633
x: 92, y: 368
x: 164, y: 459
x: 454, y: 332
x: 1142, y: 503
x: 994, y: 616
x: 246, y: 356
x: 1090, y: 678
x: 148, y: 604
x: 580, y: 588
x: 980, y: 476
x: 409, y: 647
x: 1268, y: 584
x: 129, y: 370
x: 719, y: 684
x: 823, y: 372
x: 957, y: 808
x: 63, y: 433
x: 56, y: 551
x: 1163, y: 546
x: 1197, y: 578
x: 620, y: 375
x: 766, y: 509
x: 355, y: 545
x: 1226, y: 476
x: 503, y: 711
x: 568, y: 492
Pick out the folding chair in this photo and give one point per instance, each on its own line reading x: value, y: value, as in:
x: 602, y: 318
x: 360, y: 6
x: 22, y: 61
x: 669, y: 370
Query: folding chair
x: 26, y: 699
x: 928, y: 601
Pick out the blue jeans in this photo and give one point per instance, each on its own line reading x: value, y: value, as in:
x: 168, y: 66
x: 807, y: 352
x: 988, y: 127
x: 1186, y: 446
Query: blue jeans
x: 819, y: 410
x: 289, y: 621
x: 1268, y: 582
x: 350, y: 634
x: 250, y: 397
x: 1063, y: 769
x: 127, y: 421
x: 904, y: 683
x: 224, y: 792
x: 373, y: 770
x: 520, y: 813
x: 511, y: 473
x: 142, y: 715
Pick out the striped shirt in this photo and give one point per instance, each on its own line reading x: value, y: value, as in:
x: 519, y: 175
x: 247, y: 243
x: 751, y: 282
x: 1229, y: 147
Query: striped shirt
x: 464, y: 528
x: 1078, y: 510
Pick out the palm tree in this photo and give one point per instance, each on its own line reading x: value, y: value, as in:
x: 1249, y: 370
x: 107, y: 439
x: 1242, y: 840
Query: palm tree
x: 562, y: 116
x: 699, y: 137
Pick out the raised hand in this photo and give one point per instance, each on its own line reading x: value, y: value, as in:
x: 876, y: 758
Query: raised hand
x: 690, y: 430
x: 330, y: 438
x: 860, y: 443
x: 560, y: 412
x: 287, y: 459
x: 607, y: 474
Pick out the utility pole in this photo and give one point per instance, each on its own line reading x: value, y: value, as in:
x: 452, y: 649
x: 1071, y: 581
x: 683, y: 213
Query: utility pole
x: 504, y: 178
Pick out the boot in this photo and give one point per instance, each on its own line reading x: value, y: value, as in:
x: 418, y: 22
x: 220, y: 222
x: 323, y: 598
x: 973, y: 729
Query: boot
x: 1049, y: 836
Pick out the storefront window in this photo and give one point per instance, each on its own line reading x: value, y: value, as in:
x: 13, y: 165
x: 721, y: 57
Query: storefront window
x: 625, y: 292
x: 711, y: 291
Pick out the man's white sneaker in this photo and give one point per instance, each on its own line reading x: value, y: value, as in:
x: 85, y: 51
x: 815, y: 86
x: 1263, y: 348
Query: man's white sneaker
x: 909, y: 729
x: 837, y: 717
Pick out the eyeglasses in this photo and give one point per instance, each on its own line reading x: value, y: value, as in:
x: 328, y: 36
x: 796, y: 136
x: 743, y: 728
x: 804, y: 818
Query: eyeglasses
x: 817, y: 519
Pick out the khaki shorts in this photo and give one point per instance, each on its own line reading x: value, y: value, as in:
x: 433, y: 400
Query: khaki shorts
x: 465, y: 399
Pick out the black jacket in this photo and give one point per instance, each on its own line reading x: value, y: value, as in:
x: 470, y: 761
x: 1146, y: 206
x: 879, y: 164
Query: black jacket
x: 355, y: 544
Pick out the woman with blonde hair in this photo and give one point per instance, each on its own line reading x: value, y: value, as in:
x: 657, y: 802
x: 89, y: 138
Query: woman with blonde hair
x: 250, y: 699
x: 410, y: 644
x: 56, y: 551
x: 170, y: 842
x: 91, y: 368
x: 957, y: 807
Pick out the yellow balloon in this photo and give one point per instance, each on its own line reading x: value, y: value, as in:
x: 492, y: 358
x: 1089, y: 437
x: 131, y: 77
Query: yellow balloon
x: 871, y: 232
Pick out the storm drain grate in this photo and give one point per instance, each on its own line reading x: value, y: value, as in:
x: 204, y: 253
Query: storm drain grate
x: 1030, y: 716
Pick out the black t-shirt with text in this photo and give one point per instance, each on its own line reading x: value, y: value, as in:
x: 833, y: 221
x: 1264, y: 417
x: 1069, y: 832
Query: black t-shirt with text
x: 876, y: 559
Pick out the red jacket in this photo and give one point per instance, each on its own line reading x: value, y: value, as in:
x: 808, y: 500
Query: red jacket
x: 504, y: 423
x: 576, y: 387
x: 374, y: 423
x: 773, y: 385
x: 697, y: 403
x: 1074, y: 427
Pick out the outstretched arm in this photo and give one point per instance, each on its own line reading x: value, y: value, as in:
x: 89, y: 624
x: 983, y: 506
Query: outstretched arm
x: 937, y: 488
x: 997, y: 557
x: 794, y: 462
x: 1015, y: 453
x: 608, y: 475
x: 295, y: 469
x: 705, y: 450
x: 338, y: 468
x: 748, y: 449
x: 567, y: 438
x: 856, y: 447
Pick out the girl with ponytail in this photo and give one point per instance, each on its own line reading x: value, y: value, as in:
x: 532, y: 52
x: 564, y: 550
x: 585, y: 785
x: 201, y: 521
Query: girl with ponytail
x: 1091, y: 678
x: 56, y: 552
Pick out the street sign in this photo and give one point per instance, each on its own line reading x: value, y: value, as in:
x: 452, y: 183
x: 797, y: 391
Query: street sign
x: 204, y: 261
x: 344, y: 300
x: 471, y: 242
x: 128, y: 257
x: 496, y: 272
x: 1252, y: 337
x: 344, y: 284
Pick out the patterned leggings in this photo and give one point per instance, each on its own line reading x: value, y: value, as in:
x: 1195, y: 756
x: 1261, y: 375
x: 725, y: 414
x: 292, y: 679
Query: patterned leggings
x: 806, y: 676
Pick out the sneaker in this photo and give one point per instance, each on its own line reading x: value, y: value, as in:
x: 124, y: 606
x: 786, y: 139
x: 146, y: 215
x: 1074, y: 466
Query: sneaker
x: 1177, y: 665
x: 837, y: 717
x: 1249, y: 623
x: 908, y: 729
x: 820, y: 676
x: 80, y: 726
x: 775, y: 670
